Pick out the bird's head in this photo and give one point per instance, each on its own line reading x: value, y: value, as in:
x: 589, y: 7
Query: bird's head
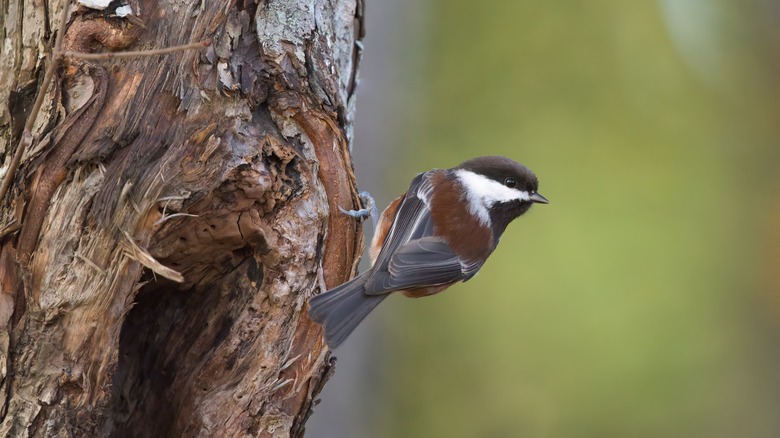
x: 498, y: 189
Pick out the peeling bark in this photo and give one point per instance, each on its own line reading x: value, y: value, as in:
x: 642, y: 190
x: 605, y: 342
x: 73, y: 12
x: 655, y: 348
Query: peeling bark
x: 215, y: 168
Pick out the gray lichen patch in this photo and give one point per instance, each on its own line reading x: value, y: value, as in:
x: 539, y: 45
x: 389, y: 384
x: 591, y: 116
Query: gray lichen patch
x: 282, y: 23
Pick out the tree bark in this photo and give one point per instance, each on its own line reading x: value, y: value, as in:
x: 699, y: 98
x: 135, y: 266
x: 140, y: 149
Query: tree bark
x: 220, y: 166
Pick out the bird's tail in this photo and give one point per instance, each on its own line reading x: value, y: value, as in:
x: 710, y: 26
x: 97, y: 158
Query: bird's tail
x: 341, y: 309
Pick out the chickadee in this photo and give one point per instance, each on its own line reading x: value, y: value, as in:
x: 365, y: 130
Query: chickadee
x: 439, y: 232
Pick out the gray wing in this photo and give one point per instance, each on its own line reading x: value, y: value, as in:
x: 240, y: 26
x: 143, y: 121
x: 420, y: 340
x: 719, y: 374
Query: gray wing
x: 423, y: 262
x: 412, y: 220
x: 411, y: 256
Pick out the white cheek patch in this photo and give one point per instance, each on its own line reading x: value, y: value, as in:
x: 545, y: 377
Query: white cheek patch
x: 482, y: 193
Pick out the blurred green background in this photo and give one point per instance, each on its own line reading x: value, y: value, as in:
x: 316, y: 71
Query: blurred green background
x: 643, y: 301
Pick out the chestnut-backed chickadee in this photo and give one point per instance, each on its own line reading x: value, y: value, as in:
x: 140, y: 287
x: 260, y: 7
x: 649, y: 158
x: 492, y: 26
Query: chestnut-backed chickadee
x: 439, y: 232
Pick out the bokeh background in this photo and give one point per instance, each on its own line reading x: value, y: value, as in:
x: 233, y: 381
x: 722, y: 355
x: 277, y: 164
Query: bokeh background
x: 644, y: 301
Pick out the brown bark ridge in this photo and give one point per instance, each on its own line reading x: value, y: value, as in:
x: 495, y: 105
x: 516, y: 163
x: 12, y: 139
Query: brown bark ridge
x: 173, y: 216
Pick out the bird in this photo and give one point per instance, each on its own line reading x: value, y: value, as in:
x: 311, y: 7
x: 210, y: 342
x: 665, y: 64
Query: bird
x: 440, y: 232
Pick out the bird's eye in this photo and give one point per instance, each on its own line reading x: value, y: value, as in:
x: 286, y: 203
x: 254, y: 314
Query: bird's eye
x: 510, y: 182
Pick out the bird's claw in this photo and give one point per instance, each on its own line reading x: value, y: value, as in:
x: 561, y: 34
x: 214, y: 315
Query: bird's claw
x: 369, y: 209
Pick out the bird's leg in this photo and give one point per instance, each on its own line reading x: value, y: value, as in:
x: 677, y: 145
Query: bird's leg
x: 369, y: 208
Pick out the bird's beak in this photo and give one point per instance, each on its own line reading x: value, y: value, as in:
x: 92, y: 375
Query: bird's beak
x: 539, y: 199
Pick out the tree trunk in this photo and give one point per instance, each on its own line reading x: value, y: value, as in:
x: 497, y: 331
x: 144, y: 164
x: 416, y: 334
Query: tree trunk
x: 219, y: 165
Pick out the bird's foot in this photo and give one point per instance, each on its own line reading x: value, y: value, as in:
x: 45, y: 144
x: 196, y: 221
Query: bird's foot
x: 368, y: 210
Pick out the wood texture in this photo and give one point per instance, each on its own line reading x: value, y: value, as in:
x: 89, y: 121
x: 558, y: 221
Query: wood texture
x: 173, y: 217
